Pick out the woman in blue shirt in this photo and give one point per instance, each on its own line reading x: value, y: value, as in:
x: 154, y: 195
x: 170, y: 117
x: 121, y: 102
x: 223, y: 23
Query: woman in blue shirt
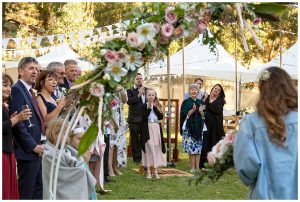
x: 266, y: 146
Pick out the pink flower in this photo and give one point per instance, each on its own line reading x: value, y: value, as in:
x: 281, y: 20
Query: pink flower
x: 167, y: 30
x: 229, y: 138
x: 111, y: 56
x: 113, y: 102
x: 256, y: 21
x: 211, y: 159
x: 202, y: 26
x: 156, y: 26
x: 132, y: 39
x: 170, y: 16
x: 179, y: 31
x: 97, y: 90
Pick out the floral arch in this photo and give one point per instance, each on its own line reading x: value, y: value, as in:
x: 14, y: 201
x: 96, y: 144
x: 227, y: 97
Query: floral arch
x: 147, y: 38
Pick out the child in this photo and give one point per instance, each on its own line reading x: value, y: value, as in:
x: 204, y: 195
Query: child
x: 74, y: 180
x: 153, y: 147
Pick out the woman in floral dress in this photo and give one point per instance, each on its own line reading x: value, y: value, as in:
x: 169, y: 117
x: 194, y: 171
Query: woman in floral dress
x: 191, y: 126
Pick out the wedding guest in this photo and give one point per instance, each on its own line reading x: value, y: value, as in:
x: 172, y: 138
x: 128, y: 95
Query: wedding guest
x: 117, y: 149
x: 153, y: 147
x: 79, y: 72
x: 45, y: 86
x: 191, y: 126
x: 74, y: 180
x: 9, y: 177
x: 28, y: 134
x: 266, y: 146
x: 71, y: 73
x: 136, y: 98
x: 201, y: 94
x: 60, y: 74
x: 213, y: 120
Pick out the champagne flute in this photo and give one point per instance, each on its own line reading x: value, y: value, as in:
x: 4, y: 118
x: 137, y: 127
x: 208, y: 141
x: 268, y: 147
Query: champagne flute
x: 26, y: 107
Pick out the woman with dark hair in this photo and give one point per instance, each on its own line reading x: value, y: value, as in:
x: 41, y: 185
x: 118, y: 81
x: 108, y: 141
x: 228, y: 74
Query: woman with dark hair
x: 9, y: 178
x: 45, y: 86
x: 213, y: 120
x: 266, y: 146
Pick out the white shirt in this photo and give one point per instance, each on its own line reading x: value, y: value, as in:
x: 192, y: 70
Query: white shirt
x: 27, y: 86
x: 152, y: 115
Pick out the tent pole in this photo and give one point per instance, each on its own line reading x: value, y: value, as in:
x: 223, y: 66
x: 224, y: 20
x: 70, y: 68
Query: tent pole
x: 280, y: 34
x: 183, y: 68
x: 169, y: 112
x: 235, y: 70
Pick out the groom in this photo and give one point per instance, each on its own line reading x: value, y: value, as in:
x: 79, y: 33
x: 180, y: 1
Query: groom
x: 28, y: 143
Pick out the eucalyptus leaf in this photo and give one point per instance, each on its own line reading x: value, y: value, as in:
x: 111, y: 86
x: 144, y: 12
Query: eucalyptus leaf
x: 269, y: 8
x: 88, y: 138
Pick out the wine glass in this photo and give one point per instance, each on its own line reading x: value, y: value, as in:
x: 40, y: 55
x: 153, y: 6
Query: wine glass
x: 26, y: 107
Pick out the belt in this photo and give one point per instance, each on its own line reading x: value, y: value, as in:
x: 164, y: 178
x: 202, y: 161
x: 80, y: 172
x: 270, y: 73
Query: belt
x: 154, y: 121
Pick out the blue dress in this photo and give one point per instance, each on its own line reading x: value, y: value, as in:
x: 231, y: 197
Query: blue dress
x: 49, y: 105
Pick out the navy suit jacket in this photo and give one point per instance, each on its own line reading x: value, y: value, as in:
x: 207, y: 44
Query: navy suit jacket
x: 26, y: 138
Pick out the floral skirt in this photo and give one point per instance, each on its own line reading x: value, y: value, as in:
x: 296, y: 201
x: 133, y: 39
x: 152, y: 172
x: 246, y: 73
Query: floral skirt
x: 190, y: 145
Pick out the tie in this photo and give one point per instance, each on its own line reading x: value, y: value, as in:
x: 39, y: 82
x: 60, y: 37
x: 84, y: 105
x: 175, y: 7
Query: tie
x: 37, y: 109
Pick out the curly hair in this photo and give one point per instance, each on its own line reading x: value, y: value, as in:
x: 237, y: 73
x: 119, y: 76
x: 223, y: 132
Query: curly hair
x: 278, y: 96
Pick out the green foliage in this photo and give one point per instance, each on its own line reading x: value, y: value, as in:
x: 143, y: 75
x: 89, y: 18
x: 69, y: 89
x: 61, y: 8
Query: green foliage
x: 88, y: 138
x: 212, y: 173
x: 269, y: 8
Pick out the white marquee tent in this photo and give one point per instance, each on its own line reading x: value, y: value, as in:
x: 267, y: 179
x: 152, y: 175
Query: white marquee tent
x: 59, y: 53
x: 289, y: 64
x: 201, y: 62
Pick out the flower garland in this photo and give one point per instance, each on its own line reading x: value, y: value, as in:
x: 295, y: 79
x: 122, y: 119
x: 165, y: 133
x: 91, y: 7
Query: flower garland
x: 151, y: 30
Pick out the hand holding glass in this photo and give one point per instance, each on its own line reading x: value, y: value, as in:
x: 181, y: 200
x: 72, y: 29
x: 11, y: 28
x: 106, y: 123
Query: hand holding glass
x: 30, y: 124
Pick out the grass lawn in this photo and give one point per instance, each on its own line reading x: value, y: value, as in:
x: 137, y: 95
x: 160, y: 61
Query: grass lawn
x: 132, y: 185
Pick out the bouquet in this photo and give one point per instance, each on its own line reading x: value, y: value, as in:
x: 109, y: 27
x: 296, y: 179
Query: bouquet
x: 220, y: 159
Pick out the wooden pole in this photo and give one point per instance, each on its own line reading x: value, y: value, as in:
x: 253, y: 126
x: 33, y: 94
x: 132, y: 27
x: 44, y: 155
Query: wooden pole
x: 169, y: 112
x: 183, y: 68
x: 280, y: 35
x: 235, y: 71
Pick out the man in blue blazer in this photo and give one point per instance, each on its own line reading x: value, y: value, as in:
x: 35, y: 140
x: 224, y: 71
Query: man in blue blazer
x: 28, y: 145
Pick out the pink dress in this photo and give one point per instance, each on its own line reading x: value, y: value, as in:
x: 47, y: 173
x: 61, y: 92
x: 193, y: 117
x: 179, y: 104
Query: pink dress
x: 154, y: 155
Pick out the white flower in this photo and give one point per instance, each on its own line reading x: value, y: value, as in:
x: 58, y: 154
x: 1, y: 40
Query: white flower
x: 64, y: 90
x: 264, y: 75
x: 146, y: 32
x: 116, y: 70
x: 135, y: 60
x: 106, y: 77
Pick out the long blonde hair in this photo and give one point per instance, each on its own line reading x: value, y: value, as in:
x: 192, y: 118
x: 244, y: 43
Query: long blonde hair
x: 159, y: 107
x: 278, y: 96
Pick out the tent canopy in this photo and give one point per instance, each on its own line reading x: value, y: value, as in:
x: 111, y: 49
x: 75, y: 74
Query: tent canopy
x: 58, y: 53
x: 289, y: 64
x: 200, y: 61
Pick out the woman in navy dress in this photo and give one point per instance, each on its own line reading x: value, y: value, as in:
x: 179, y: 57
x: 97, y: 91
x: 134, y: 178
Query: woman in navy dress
x: 45, y: 86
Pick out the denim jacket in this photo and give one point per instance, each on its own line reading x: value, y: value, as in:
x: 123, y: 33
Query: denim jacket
x: 271, y: 172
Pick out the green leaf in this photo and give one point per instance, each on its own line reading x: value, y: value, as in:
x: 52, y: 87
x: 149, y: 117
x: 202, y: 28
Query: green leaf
x: 112, y: 83
x: 88, y: 138
x: 269, y: 8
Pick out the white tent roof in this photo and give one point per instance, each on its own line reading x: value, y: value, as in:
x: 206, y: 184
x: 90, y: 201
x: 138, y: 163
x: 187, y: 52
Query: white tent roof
x: 200, y: 61
x: 289, y: 64
x: 61, y: 53
x: 58, y: 53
